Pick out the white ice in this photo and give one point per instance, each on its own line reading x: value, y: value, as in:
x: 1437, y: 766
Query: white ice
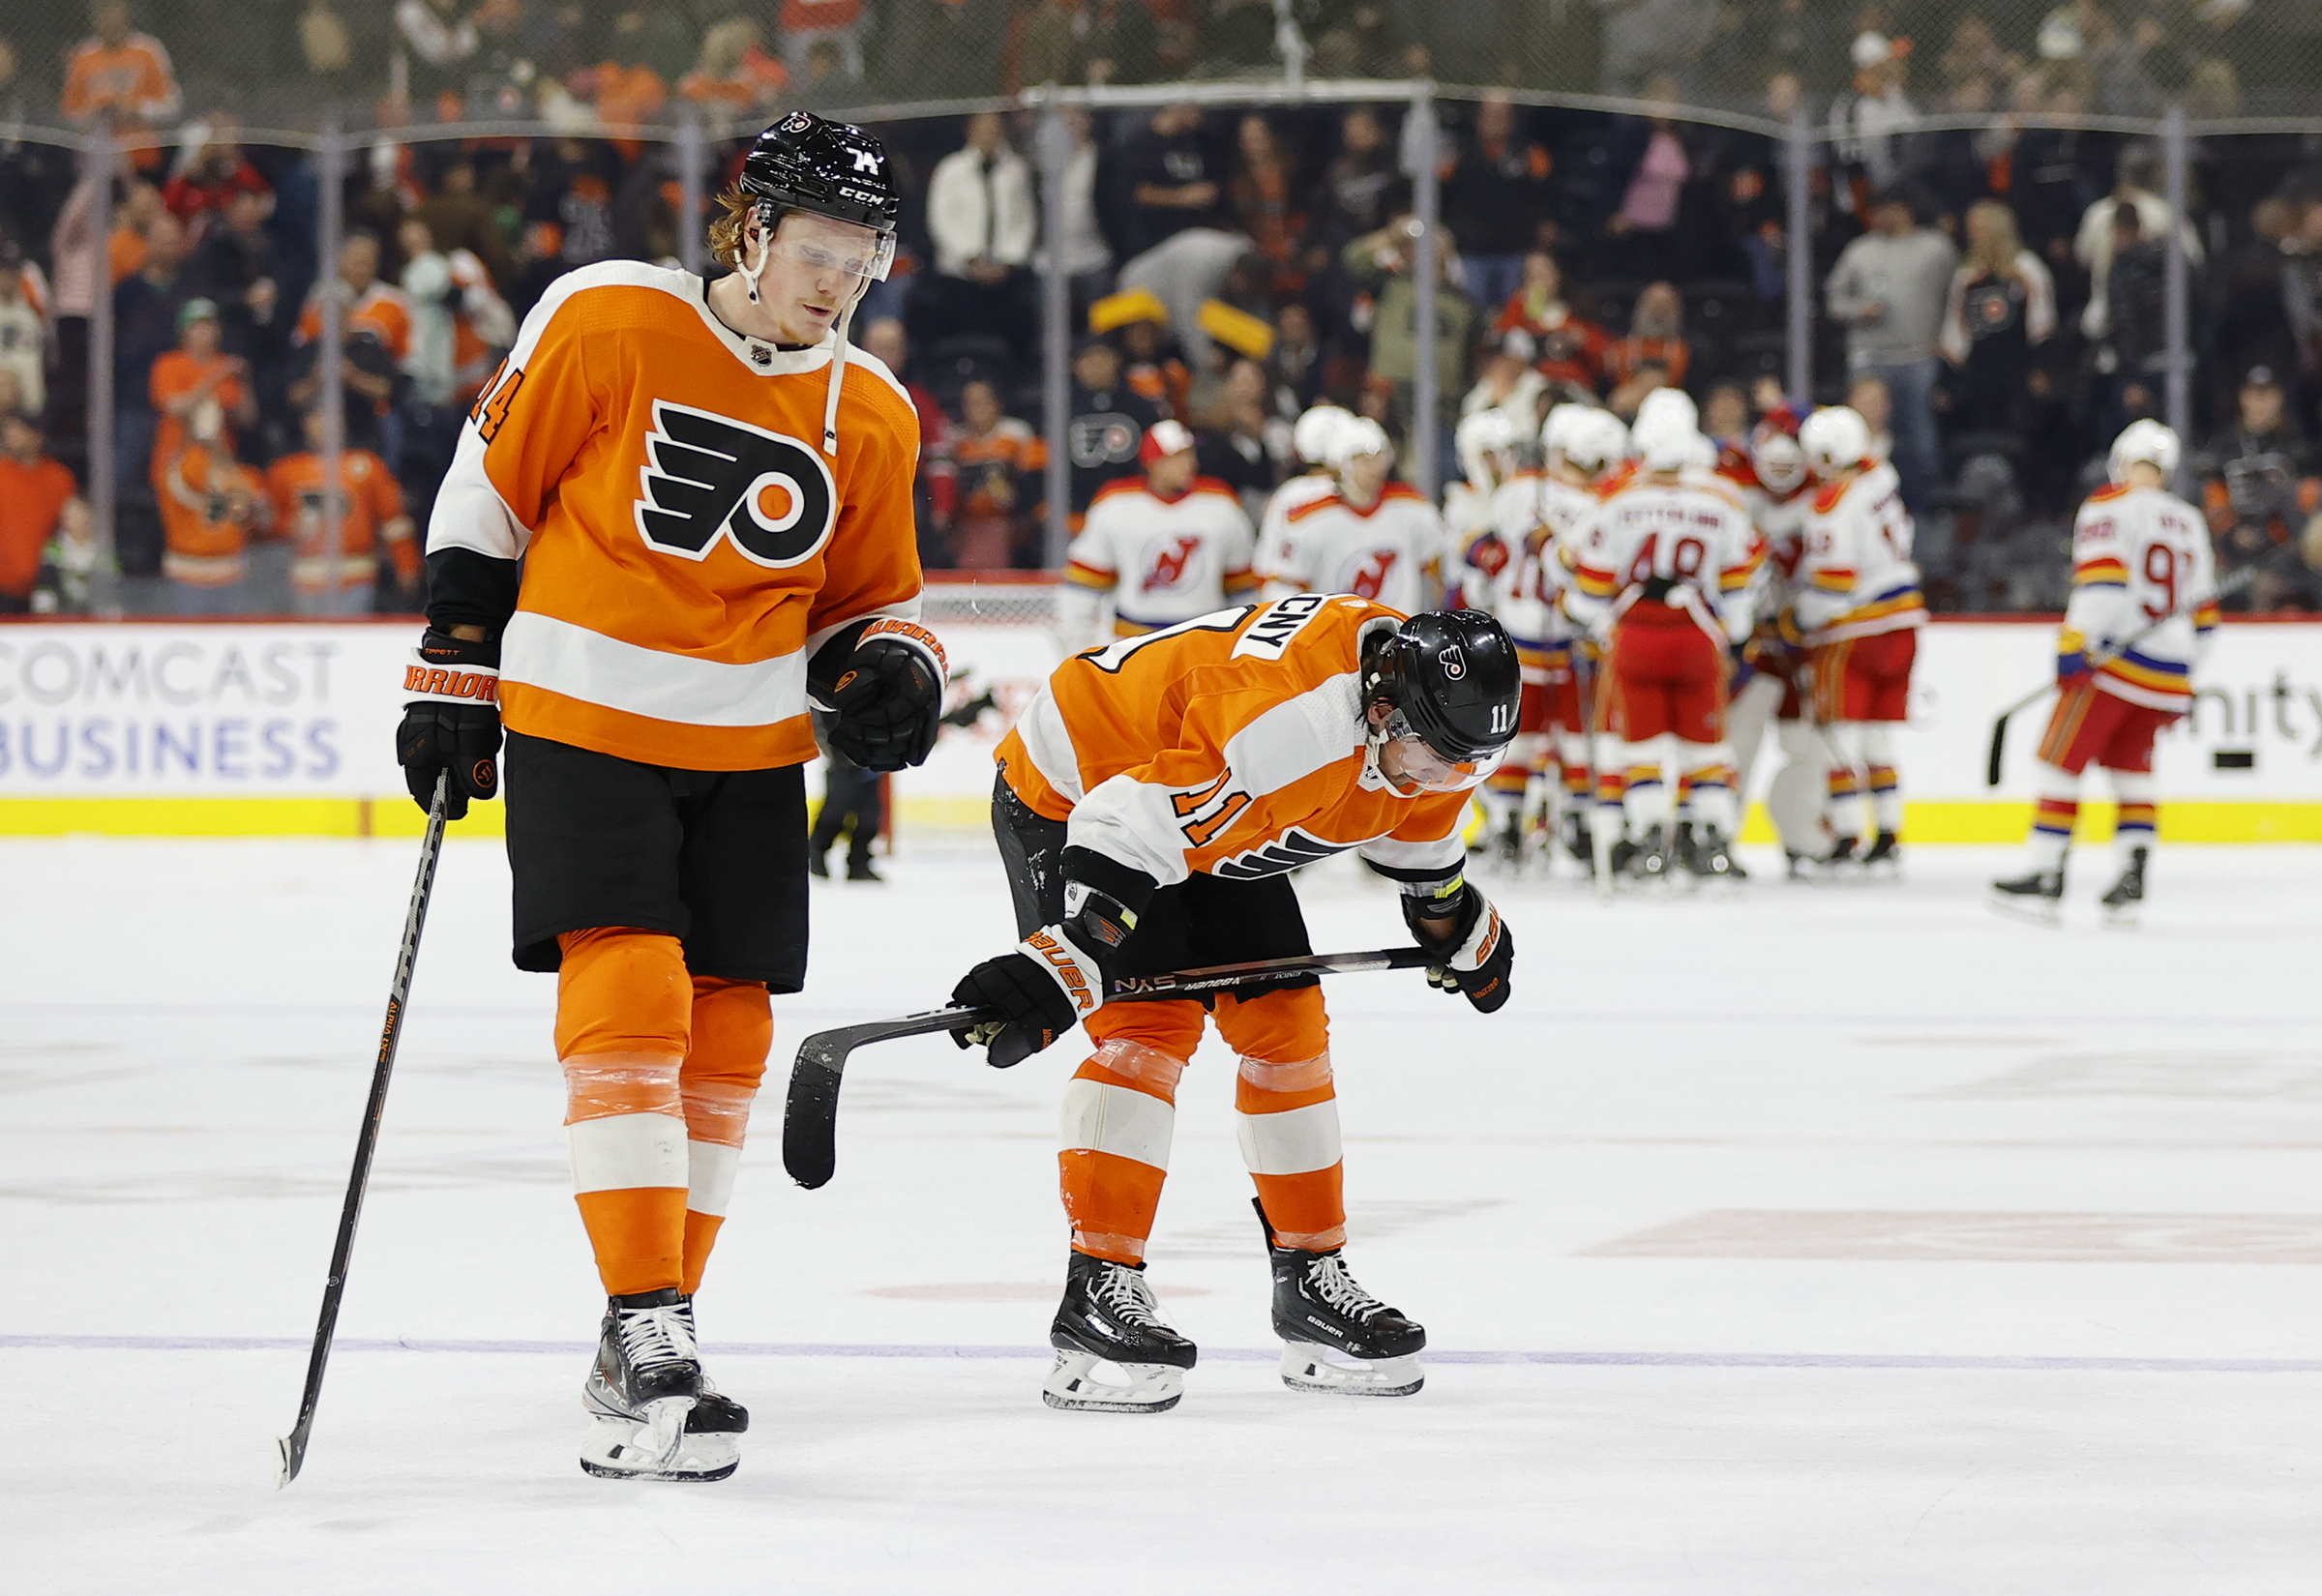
x: 1693, y: 1226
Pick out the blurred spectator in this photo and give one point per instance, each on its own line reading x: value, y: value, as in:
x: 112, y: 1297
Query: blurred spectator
x: 1650, y: 190
x: 460, y: 218
x: 121, y: 79
x: 375, y: 324
x: 2259, y: 486
x: 1088, y: 256
x: 133, y: 218
x: 198, y: 372
x: 341, y: 581
x: 2260, y: 282
x: 1643, y: 38
x: 827, y: 83
x: 1152, y: 363
x: 981, y: 217
x: 23, y: 335
x: 235, y: 266
x: 1509, y: 382
x: 2001, y: 306
x: 1108, y: 421
x: 2136, y: 349
x: 1381, y: 263
x: 1725, y: 416
x: 1888, y: 289
x: 1877, y: 117
x: 145, y: 307
x: 1296, y: 359
x: 806, y: 23
x: 733, y: 77
x: 1266, y: 202
x: 1495, y: 198
x: 2138, y: 179
x: 934, y: 490
x: 999, y: 459
x: 215, y: 173
x: 1362, y: 186
x: 1870, y: 398
x: 1242, y: 443
x: 1182, y: 251
x: 1657, y: 337
x: 460, y: 329
x: 1570, y: 351
x: 38, y: 498
x: 211, y: 507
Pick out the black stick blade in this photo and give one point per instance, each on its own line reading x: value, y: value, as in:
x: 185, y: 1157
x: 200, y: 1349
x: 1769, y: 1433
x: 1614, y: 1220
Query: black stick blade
x: 809, y: 1116
x: 1999, y: 745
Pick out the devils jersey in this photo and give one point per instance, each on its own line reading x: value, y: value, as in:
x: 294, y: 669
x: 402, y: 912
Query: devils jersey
x: 1697, y: 541
x: 1856, y: 579
x: 1393, y: 552
x: 2141, y: 555
x: 686, y: 543
x: 1162, y: 560
x: 1273, y: 525
x: 1231, y: 745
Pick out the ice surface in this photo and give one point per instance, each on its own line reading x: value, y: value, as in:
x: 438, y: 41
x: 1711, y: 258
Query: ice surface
x: 1825, y: 1240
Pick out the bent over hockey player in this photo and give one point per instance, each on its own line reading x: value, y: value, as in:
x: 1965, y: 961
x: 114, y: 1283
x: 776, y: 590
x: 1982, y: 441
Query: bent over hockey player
x: 2144, y: 605
x: 1150, y: 804
x: 680, y: 513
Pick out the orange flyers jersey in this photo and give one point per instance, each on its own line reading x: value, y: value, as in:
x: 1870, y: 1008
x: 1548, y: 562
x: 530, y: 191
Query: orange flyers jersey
x: 1163, y: 560
x: 1393, y: 552
x: 1856, y: 579
x: 137, y: 78
x: 204, y: 528
x: 1229, y: 745
x: 1698, y: 542
x: 382, y: 308
x: 370, y: 508
x: 687, y: 544
x: 2141, y: 555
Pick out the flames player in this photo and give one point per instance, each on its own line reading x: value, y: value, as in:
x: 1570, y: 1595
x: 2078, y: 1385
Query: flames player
x: 2140, y: 555
x: 1858, y: 611
x: 1312, y: 437
x: 1486, y: 442
x: 680, y: 514
x: 1772, y: 475
x: 1374, y: 538
x: 1164, y: 547
x: 1150, y: 804
x: 1662, y: 576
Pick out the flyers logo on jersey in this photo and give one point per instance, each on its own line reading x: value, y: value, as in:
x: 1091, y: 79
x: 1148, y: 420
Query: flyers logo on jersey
x: 712, y: 477
x: 1287, y: 853
x: 1168, y: 569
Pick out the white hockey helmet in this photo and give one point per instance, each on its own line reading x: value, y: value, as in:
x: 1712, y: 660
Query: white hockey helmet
x: 1311, y: 433
x: 1481, y: 436
x: 1834, y: 439
x: 2148, y: 441
x: 1673, y: 402
x: 1665, y: 439
x: 1559, y: 429
x: 1596, y: 441
x: 1359, y: 435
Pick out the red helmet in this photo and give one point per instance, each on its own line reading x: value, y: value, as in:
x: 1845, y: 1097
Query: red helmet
x: 1164, y: 437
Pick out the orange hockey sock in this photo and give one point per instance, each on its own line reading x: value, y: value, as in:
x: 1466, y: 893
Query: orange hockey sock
x: 732, y: 1031
x: 1286, y: 1113
x: 1119, y: 1111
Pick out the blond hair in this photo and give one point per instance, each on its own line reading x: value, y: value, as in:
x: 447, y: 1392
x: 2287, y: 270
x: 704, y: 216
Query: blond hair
x: 734, y: 208
x: 1994, y: 253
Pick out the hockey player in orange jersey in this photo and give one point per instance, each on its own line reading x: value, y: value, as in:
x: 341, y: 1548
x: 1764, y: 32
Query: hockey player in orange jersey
x: 1151, y: 801
x: 709, y: 494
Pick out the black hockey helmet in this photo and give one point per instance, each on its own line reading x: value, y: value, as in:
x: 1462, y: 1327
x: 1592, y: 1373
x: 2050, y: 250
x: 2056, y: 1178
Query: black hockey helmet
x: 1452, y: 675
x: 807, y: 162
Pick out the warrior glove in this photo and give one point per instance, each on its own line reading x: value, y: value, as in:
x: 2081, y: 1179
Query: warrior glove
x: 1038, y: 992
x: 1478, y: 953
x: 451, y: 721
x: 884, y: 693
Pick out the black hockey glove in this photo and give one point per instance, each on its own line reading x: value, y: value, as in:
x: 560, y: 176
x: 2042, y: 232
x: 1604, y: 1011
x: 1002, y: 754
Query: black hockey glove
x: 1478, y: 949
x: 453, y: 721
x: 1040, y: 992
x: 886, y: 696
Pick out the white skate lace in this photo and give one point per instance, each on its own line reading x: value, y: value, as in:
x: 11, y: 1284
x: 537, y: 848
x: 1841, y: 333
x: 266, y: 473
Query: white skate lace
x: 653, y: 1336
x: 1339, y: 1291
x: 1124, y: 1290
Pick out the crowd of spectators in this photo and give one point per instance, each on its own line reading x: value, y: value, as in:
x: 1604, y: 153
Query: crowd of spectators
x: 1994, y: 300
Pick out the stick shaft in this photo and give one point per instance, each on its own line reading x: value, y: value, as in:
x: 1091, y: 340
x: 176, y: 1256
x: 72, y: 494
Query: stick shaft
x: 358, y: 1180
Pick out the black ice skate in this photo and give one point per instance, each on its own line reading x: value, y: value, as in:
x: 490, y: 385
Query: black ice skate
x: 1886, y: 855
x: 1336, y: 1335
x: 653, y: 1416
x: 2124, y: 902
x: 2037, y: 897
x: 1108, y: 1325
x: 1653, y: 858
x: 1577, y: 841
x: 1710, y: 858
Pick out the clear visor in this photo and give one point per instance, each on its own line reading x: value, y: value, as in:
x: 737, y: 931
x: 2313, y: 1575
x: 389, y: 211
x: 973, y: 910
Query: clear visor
x: 1419, y: 768
x: 848, y: 260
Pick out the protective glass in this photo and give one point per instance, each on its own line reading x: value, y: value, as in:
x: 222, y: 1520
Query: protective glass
x: 817, y: 256
x: 1423, y: 768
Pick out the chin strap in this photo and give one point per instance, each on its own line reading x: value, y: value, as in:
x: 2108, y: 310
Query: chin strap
x: 837, y: 372
x: 742, y: 268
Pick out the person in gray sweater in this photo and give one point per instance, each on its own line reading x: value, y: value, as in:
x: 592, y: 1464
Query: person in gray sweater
x: 1888, y: 289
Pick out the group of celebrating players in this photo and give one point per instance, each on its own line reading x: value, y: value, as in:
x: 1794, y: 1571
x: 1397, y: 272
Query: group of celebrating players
x: 680, y: 516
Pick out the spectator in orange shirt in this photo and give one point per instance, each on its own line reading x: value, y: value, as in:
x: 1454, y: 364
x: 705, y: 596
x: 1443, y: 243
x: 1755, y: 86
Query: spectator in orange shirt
x: 998, y: 459
x: 195, y: 371
x: 376, y: 322
x: 370, y: 513
x: 126, y: 248
x: 732, y: 75
x: 37, y: 499
x: 210, y: 508
x: 122, y: 79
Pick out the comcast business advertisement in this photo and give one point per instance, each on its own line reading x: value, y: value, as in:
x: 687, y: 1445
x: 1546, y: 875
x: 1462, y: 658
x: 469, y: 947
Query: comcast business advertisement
x: 286, y: 710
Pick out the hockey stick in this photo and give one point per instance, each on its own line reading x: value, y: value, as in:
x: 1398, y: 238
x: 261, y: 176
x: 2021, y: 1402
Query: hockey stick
x: 810, y: 1118
x: 291, y: 1450
x: 2231, y: 585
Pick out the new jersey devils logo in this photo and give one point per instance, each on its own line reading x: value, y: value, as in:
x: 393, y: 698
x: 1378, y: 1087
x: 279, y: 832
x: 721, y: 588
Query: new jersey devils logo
x: 1369, y: 579
x: 709, y: 476
x: 1169, y: 563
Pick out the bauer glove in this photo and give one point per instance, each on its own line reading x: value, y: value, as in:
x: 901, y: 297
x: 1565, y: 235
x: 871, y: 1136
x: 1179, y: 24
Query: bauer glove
x: 885, y: 693
x: 1478, y: 953
x: 451, y: 721
x: 1036, y: 994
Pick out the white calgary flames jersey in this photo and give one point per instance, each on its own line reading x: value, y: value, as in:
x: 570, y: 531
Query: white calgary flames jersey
x: 1696, y: 540
x: 1856, y: 579
x: 1273, y: 525
x: 686, y: 542
x: 1391, y: 552
x: 2141, y: 555
x: 1162, y: 560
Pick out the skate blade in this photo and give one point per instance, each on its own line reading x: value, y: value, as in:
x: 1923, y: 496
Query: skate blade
x: 2123, y: 919
x: 2039, y: 912
x: 1306, y: 1367
x: 1074, y: 1385
x: 660, y: 1448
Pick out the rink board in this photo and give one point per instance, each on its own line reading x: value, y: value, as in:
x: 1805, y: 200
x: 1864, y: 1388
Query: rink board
x: 268, y: 728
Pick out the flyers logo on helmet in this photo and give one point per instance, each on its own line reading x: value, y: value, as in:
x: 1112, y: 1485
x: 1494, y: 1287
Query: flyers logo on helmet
x: 713, y: 477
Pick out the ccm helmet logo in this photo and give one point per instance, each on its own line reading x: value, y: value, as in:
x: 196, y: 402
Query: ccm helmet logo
x: 1454, y: 662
